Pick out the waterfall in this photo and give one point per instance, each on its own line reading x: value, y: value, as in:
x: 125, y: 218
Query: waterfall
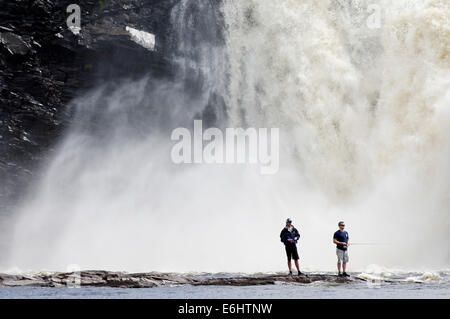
x: 364, y: 108
x: 365, y: 125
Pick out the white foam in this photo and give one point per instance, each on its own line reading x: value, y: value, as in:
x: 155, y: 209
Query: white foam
x: 145, y: 39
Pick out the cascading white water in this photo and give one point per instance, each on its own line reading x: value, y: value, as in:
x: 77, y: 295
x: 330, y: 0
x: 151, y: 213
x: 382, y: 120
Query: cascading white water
x: 365, y: 137
x: 364, y: 109
x: 350, y: 97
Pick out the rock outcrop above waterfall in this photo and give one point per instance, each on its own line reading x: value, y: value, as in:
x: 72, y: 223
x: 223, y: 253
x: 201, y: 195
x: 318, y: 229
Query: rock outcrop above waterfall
x: 153, y: 279
x: 43, y: 65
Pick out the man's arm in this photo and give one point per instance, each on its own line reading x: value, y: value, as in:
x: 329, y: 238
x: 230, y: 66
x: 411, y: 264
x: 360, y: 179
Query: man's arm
x: 283, y: 235
x: 297, y: 236
x: 335, y: 241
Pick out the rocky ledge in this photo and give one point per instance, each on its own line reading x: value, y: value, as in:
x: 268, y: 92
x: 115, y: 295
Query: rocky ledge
x: 153, y: 279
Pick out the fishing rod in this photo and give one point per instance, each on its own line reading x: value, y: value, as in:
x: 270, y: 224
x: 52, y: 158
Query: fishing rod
x: 368, y: 244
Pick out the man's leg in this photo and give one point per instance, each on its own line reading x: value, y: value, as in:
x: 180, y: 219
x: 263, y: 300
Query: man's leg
x: 297, y: 265
x: 338, y: 254
x: 345, y: 261
x: 296, y: 258
x: 289, y: 256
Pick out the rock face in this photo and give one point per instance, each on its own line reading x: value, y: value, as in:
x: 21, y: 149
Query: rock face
x: 153, y: 279
x: 43, y: 65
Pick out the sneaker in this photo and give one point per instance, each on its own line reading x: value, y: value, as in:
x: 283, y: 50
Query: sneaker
x: 340, y: 275
x: 300, y: 273
x: 345, y: 274
x: 290, y: 273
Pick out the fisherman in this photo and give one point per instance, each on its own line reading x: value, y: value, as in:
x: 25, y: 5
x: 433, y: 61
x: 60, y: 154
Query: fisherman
x: 342, y: 241
x: 289, y: 236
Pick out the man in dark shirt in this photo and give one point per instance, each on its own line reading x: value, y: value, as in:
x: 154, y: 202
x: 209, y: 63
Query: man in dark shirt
x: 342, y: 241
x: 289, y: 236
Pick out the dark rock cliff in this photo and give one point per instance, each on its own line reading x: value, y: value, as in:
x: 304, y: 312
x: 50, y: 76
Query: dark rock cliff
x: 43, y: 65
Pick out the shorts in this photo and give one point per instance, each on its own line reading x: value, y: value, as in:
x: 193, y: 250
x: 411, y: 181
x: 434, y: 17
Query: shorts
x: 342, y: 255
x: 291, y: 252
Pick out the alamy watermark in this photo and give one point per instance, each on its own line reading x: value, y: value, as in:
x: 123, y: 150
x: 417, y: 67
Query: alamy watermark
x: 229, y: 146
x: 374, y: 282
x: 374, y: 19
x: 74, y: 19
x: 74, y: 278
